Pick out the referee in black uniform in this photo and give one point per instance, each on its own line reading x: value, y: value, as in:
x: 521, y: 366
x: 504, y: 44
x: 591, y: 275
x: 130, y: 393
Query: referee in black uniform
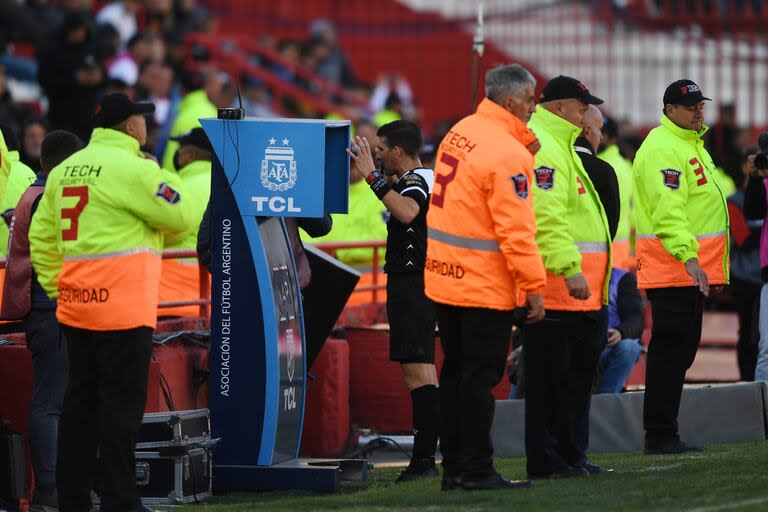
x: 404, y: 186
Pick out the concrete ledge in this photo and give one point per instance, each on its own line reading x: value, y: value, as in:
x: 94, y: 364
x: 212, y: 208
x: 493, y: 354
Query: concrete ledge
x: 708, y: 414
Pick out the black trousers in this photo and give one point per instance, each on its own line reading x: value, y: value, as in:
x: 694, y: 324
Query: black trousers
x: 747, y: 296
x: 475, y: 343
x: 561, y: 356
x: 49, y: 362
x: 677, y: 314
x: 102, y: 412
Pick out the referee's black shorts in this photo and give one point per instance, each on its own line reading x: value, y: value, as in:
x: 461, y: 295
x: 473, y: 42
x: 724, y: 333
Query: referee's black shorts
x: 412, y: 319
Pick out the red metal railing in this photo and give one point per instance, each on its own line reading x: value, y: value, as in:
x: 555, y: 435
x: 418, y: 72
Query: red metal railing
x: 205, y: 282
x: 374, y: 245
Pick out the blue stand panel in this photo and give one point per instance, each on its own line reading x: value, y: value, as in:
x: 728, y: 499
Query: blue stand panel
x: 265, y: 170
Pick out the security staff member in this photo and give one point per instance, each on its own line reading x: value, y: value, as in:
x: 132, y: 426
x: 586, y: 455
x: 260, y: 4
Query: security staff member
x: 180, y: 279
x: 482, y: 265
x: 682, y: 250
x: 411, y: 314
x: 561, y: 353
x: 95, y: 244
x: 609, y: 152
x: 24, y: 299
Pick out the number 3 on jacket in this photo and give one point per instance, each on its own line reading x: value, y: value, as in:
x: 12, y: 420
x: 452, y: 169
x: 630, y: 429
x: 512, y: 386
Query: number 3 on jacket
x: 445, y: 179
x: 73, y: 214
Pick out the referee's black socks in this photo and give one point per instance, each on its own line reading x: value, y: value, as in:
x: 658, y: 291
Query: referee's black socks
x: 425, y: 401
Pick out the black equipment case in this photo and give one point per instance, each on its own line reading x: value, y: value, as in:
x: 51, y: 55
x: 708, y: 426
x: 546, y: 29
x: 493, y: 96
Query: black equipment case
x: 174, y: 476
x: 174, y: 428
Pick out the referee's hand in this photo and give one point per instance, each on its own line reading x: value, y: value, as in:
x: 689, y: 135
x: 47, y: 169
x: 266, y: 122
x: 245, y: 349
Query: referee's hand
x: 535, y: 303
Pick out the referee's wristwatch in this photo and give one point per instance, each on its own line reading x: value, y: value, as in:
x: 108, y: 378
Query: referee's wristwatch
x: 372, y: 177
x: 378, y: 184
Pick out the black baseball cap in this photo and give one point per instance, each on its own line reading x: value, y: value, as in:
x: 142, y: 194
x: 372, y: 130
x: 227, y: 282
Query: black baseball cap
x: 196, y: 137
x: 115, y: 108
x: 683, y: 92
x: 564, y: 88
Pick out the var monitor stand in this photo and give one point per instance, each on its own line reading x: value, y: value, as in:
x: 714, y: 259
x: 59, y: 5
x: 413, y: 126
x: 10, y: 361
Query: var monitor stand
x: 265, y: 170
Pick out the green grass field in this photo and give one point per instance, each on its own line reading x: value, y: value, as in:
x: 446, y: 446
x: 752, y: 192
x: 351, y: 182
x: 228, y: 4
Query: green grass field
x: 724, y: 477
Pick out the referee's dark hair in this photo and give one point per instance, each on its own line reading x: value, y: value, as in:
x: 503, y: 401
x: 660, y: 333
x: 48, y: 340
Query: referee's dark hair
x: 404, y: 134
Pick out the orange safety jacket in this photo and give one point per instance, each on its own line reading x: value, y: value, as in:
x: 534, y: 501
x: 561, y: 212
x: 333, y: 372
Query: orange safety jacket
x: 481, y: 250
x: 98, y: 232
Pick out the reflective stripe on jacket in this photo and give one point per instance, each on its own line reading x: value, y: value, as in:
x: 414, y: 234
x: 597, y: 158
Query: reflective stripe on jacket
x: 621, y: 243
x: 98, y: 232
x: 681, y: 211
x: 481, y: 250
x: 573, y: 230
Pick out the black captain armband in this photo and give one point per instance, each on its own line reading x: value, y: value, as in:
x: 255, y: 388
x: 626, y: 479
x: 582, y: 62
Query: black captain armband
x: 379, y: 184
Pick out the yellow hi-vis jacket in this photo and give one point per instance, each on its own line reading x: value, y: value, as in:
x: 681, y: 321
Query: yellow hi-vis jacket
x: 622, y: 257
x: 681, y: 210
x: 180, y: 278
x: 20, y: 178
x: 573, y: 233
x: 98, y: 232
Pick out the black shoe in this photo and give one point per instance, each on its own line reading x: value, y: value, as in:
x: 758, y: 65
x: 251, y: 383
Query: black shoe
x: 568, y: 472
x: 418, y: 469
x: 44, y: 501
x: 491, y: 482
x: 670, y: 447
x: 593, y: 469
x: 450, y: 482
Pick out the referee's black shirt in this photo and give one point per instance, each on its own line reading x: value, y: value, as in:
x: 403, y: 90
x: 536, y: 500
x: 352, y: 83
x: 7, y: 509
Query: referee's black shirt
x: 407, y: 243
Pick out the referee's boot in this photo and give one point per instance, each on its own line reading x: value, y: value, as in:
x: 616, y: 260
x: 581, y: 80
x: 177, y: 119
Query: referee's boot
x: 492, y: 482
x: 669, y: 446
x: 418, y: 468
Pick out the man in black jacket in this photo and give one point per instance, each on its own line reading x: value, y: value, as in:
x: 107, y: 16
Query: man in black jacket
x: 601, y: 173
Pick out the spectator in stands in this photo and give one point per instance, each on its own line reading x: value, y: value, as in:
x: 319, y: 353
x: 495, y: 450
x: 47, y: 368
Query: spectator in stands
x: 126, y: 66
x: 335, y: 66
x: 180, y: 278
x: 121, y: 14
x: 393, y: 110
x: 387, y: 85
x: 10, y: 113
x: 109, y: 330
x: 190, y: 16
x: 19, y: 179
x: 256, y: 98
x: 722, y: 143
x: 159, y: 16
x: 24, y: 299
x: 202, y: 94
x: 746, y: 281
x: 625, y: 326
x: 365, y: 220
x: 71, y: 77
x: 33, y: 131
x: 609, y: 152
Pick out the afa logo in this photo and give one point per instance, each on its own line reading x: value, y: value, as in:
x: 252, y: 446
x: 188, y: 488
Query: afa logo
x: 671, y: 178
x: 545, y: 177
x: 521, y: 185
x: 278, y: 169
